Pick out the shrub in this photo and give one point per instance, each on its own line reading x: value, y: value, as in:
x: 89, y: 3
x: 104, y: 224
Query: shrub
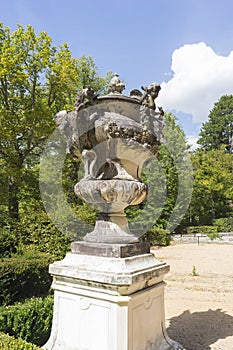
x: 31, y: 320
x: 24, y: 276
x: 224, y: 224
x: 213, y: 235
x: 157, y: 236
x: 194, y: 271
x: 7, y: 242
x: 202, y: 230
x: 210, y: 231
x: 35, y: 229
x: 40, y: 231
x: 10, y: 343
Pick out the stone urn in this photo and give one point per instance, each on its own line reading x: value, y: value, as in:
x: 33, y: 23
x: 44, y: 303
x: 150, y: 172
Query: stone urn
x: 115, y: 135
x: 109, y: 290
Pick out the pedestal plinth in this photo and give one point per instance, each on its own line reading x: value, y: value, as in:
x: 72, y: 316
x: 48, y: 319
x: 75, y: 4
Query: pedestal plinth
x: 108, y: 303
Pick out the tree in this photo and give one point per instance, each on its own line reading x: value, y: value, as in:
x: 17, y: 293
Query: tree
x: 213, y: 186
x: 169, y: 180
x: 218, y: 130
x: 175, y: 160
x: 36, y: 81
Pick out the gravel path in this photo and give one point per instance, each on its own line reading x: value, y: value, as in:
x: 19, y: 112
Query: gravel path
x: 199, y: 295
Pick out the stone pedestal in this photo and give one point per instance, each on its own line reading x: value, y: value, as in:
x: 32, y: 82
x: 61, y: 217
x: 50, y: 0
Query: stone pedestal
x: 108, y: 303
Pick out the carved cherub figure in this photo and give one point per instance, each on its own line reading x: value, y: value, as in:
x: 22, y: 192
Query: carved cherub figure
x: 151, y: 93
x: 112, y: 169
x: 115, y: 86
x: 161, y: 112
x: 86, y: 94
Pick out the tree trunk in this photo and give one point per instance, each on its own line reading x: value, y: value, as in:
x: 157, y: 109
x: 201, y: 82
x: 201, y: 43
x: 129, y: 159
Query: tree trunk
x: 13, y: 200
x: 212, y: 211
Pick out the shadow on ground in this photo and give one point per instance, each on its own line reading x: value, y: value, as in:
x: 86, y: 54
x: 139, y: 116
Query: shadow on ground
x: 198, y: 330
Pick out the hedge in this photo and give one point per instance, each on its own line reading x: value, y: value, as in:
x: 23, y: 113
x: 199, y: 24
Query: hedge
x: 224, y: 224
x: 41, y: 232
x: 24, y: 275
x: 31, y: 320
x: 7, y: 242
x: 202, y: 229
x: 10, y: 343
x: 157, y: 236
x: 210, y: 231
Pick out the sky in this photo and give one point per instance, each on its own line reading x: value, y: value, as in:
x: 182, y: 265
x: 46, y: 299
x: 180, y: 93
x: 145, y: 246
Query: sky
x: 184, y: 45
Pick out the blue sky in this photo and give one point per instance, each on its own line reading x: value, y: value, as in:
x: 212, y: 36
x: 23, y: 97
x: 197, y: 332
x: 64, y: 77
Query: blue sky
x: 184, y: 45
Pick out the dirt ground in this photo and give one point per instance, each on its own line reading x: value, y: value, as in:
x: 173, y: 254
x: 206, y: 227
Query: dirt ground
x: 199, y: 295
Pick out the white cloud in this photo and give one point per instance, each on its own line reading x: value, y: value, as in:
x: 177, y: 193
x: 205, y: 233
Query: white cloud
x: 192, y: 141
x: 200, y: 78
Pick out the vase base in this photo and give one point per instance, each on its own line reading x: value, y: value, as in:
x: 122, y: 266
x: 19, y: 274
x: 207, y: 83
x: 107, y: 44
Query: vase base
x: 110, y: 250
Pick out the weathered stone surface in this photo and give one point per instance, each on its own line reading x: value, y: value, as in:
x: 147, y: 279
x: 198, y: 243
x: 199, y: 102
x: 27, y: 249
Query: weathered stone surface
x: 124, y: 312
x: 124, y: 275
x: 111, y: 196
x: 110, y: 250
x: 109, y: 292
x: 115, y: 136
x: 111, y: 116
x: 115, y: 85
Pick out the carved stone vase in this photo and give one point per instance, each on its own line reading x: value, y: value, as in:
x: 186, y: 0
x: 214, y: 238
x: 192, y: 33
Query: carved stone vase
x: 115, y: 136
x: 109, y: 290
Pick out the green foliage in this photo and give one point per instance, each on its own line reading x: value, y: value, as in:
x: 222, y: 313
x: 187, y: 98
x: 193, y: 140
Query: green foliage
x: 202, y: 230
x: 29, y: 192
x: 58, y: 175
x: 24, y: 275
x: 7, y: 242
x: 24, y: 114
x: 213, y: 235
x: 213, y: 186
x: 10, y: 343
x: 218, y: 130
x: 35, y: 232
x: 37, y: 80
x: 224, y: 224
x: 169, y: 180
x: 31, y: 320
x: 84, y: 211
x: 88, y: 76
x: 210, y: 231
x: 213, y: 164
x: 174, y: 160
x: 39, y: 231
x: 157, y: 236
x: 194, y: 271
